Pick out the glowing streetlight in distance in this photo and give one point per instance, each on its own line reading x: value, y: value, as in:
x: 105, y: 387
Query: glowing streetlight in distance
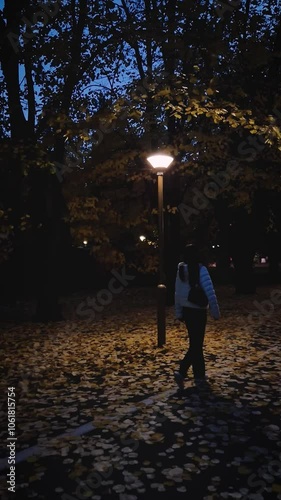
x: 142, y: 237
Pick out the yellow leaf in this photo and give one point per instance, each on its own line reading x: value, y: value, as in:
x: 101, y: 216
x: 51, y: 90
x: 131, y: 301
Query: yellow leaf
x: 157, y: 437
x: 163, y: 92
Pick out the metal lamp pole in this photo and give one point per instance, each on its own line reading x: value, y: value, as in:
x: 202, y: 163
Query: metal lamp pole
x: 161, y: 162
x: 161, y: 288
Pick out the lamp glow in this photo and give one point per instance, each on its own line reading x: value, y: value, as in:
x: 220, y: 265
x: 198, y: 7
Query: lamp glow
x: 142, y: 237
x: 160, y: 161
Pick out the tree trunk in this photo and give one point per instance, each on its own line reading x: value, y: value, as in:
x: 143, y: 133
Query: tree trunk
x: 50, y: 242
x: 243, y: 236
x: 243, y: 257
x: 47, y: 204
x: 20, y: 133
x: 274, y: 247
x: 223, y: 271
x: 244, y: 273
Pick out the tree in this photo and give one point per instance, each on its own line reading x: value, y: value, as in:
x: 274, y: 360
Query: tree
x: 58, y: 60
x: 175, y: 76
x: 195, y: 103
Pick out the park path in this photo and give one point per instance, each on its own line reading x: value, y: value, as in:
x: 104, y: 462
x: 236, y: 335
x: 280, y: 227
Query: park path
x: 97, y: 401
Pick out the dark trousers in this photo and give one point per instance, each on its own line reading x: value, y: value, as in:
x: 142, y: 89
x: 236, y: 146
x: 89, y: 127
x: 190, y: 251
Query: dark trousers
x: 195, y: 320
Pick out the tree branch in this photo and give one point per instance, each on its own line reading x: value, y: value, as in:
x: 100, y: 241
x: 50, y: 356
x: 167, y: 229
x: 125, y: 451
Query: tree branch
x: 134, y: 43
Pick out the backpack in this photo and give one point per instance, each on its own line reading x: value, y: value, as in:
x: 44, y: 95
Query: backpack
x: 197, y: 296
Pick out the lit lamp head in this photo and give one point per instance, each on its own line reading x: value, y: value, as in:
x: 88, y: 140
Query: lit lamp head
x: 142, y: 237
x: 160, y: 162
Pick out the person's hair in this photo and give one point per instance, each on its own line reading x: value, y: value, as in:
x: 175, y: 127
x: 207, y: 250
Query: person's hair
x: 191, y: 258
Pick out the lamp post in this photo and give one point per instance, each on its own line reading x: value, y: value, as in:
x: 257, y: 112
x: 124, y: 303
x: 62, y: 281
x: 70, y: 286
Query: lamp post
x: 160, y: 163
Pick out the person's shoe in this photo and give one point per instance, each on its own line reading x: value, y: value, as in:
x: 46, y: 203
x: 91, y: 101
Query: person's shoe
x: 201, y: 382
x: 179, y: 380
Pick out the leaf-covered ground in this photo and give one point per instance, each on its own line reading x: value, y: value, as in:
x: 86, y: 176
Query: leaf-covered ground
x: 148, y: 440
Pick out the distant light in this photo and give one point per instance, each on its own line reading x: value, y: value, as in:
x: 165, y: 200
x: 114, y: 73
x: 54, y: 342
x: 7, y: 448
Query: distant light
x: 160, y: 161
x: 85, y: 242
x: 263, y: 260
x: 213, y: 246
x: 218, y: 246
x: 142, y: 237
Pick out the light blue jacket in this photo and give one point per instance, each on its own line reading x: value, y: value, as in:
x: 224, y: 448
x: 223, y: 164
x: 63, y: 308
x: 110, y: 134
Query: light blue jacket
x: 182, y: 289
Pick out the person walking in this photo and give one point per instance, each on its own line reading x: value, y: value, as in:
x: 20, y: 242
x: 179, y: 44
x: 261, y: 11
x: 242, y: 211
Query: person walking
x: 191, y: 273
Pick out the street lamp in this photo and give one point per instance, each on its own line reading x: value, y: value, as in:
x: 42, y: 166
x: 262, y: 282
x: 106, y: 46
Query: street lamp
x: 160, y: 163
